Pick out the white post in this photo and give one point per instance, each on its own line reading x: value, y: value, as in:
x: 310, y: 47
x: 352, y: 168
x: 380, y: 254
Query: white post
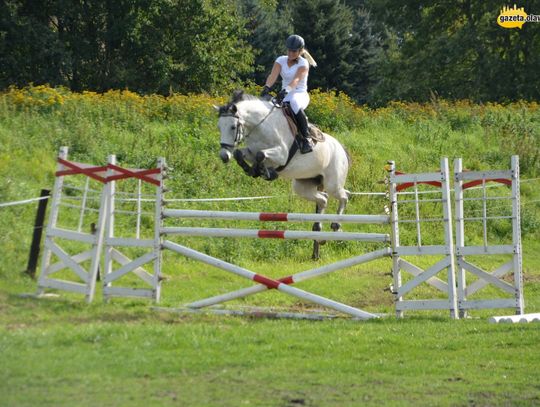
x: 449, y: 237
x: 158, y: 224
x: 99, y: 237
x: 110, y: 191
x: 516, y: 236
x: 138, y: 225
x: 417, y: 212
x: 394, y: 222
x: 460, y: 237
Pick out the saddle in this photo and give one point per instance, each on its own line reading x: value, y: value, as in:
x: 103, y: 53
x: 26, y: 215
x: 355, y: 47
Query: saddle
x: 314, y: 132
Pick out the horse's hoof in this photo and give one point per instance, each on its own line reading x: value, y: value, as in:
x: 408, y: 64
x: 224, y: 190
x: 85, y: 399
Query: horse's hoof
x: 260, y: 157
x: 271, y: 174
x: 237, y: 154
x: 336, y: 227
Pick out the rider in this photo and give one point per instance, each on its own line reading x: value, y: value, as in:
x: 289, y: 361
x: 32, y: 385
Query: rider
x: 294, y: 68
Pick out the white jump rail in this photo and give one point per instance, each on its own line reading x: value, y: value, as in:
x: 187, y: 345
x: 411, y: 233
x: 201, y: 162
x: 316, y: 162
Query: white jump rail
x: 274, y: 234
x: 513, y: 292
x: 275, y: 217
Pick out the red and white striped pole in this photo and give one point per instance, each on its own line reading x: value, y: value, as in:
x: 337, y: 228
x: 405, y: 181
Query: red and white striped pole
x: 295, y: 278
x: 275, y: 234
x: 275, y: 217
x: 268, y: 282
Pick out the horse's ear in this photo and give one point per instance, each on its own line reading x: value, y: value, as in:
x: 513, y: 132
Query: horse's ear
x: 233, y: 109
x: 237, y: 96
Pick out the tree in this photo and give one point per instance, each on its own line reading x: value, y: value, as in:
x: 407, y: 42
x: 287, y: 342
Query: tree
x: 341, y: 41
x: 144, y: 45
x: 268, y: 25
x: 29, y: 50
x: 455, y: 50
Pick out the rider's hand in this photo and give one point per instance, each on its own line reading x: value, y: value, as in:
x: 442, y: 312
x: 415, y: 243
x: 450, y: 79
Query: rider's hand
x: 281, y: 95
x: 265, y: 92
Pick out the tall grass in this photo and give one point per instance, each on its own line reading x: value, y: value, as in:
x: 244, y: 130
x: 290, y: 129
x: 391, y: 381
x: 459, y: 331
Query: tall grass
x: 36, y: 121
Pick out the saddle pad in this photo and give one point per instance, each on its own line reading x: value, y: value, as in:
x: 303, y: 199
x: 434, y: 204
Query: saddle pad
x: 314, y: 132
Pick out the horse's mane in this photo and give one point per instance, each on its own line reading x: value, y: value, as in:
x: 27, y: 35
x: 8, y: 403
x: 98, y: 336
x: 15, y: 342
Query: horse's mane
x: 237, y: 97
x: 241, y: 96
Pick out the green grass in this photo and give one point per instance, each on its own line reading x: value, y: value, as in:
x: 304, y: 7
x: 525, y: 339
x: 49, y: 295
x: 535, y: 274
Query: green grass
x: 61, y: 351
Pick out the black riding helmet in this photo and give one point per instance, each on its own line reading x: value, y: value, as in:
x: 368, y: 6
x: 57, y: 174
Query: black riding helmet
x: 295, y: 42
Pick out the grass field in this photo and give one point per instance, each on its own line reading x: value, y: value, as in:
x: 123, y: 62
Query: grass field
x: 63, y: 352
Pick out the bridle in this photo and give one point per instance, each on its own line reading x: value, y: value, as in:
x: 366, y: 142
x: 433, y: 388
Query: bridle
x: 239, y: 136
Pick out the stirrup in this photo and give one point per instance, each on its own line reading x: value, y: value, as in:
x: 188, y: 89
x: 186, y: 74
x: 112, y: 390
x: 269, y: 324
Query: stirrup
x: 305, y: 145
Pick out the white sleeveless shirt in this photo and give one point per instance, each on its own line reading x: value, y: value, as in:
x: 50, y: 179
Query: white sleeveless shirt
x: 288, y: 73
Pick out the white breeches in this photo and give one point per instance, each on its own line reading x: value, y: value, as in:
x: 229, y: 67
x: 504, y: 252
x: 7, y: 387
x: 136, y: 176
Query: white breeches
x: 298, y: 100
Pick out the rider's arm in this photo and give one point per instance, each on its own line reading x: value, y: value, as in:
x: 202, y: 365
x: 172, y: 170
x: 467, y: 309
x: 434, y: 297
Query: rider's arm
x: 300, y: 74
x: 276, y: 69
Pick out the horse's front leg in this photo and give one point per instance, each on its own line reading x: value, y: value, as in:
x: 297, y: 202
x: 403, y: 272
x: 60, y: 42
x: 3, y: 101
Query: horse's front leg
x: 239, y: 155
x: 267, y: 173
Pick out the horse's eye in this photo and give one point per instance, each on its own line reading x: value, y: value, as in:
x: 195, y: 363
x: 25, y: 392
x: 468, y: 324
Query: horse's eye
x: 233, y: 127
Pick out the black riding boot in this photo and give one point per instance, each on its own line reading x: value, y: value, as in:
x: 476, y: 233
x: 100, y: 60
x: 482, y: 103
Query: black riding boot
x: 305, y: 141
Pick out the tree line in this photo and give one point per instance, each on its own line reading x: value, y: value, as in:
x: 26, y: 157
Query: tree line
x: 373, y: 50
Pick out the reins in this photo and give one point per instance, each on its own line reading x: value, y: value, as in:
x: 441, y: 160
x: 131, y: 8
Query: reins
x: 261, y: 122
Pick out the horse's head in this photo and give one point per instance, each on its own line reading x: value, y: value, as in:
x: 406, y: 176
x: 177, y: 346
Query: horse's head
x: 231, y: 128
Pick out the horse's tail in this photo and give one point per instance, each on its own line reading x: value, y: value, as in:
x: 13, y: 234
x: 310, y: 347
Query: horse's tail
x: 349, y: 158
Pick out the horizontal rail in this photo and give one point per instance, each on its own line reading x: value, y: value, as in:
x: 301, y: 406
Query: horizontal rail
x: 481, y: 250
x: 415, y: 305
x: 425, y: 177
x: 482, y: 218
x: 421, y: 250
x: 487, y: 175
x: 128, y: 292
x: 71, y: 235
x: 128, y: 242
x: 64, y: 285
x: 275, y: 217
x: 275, y: 234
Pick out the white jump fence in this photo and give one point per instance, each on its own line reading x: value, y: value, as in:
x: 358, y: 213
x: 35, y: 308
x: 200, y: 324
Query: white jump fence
x: 74, y: 276
x: 447, y: 293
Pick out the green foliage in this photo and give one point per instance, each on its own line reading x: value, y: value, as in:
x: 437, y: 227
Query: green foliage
x: 455, y: 50
x: 149, y: 46
x: 268, y: 25
x: 342, y: 43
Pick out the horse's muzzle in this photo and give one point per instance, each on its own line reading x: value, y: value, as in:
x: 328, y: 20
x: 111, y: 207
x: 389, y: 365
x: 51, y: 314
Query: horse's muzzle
x: 225, y: 155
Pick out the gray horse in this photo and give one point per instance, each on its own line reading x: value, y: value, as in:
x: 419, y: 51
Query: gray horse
x: 263, y: 128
